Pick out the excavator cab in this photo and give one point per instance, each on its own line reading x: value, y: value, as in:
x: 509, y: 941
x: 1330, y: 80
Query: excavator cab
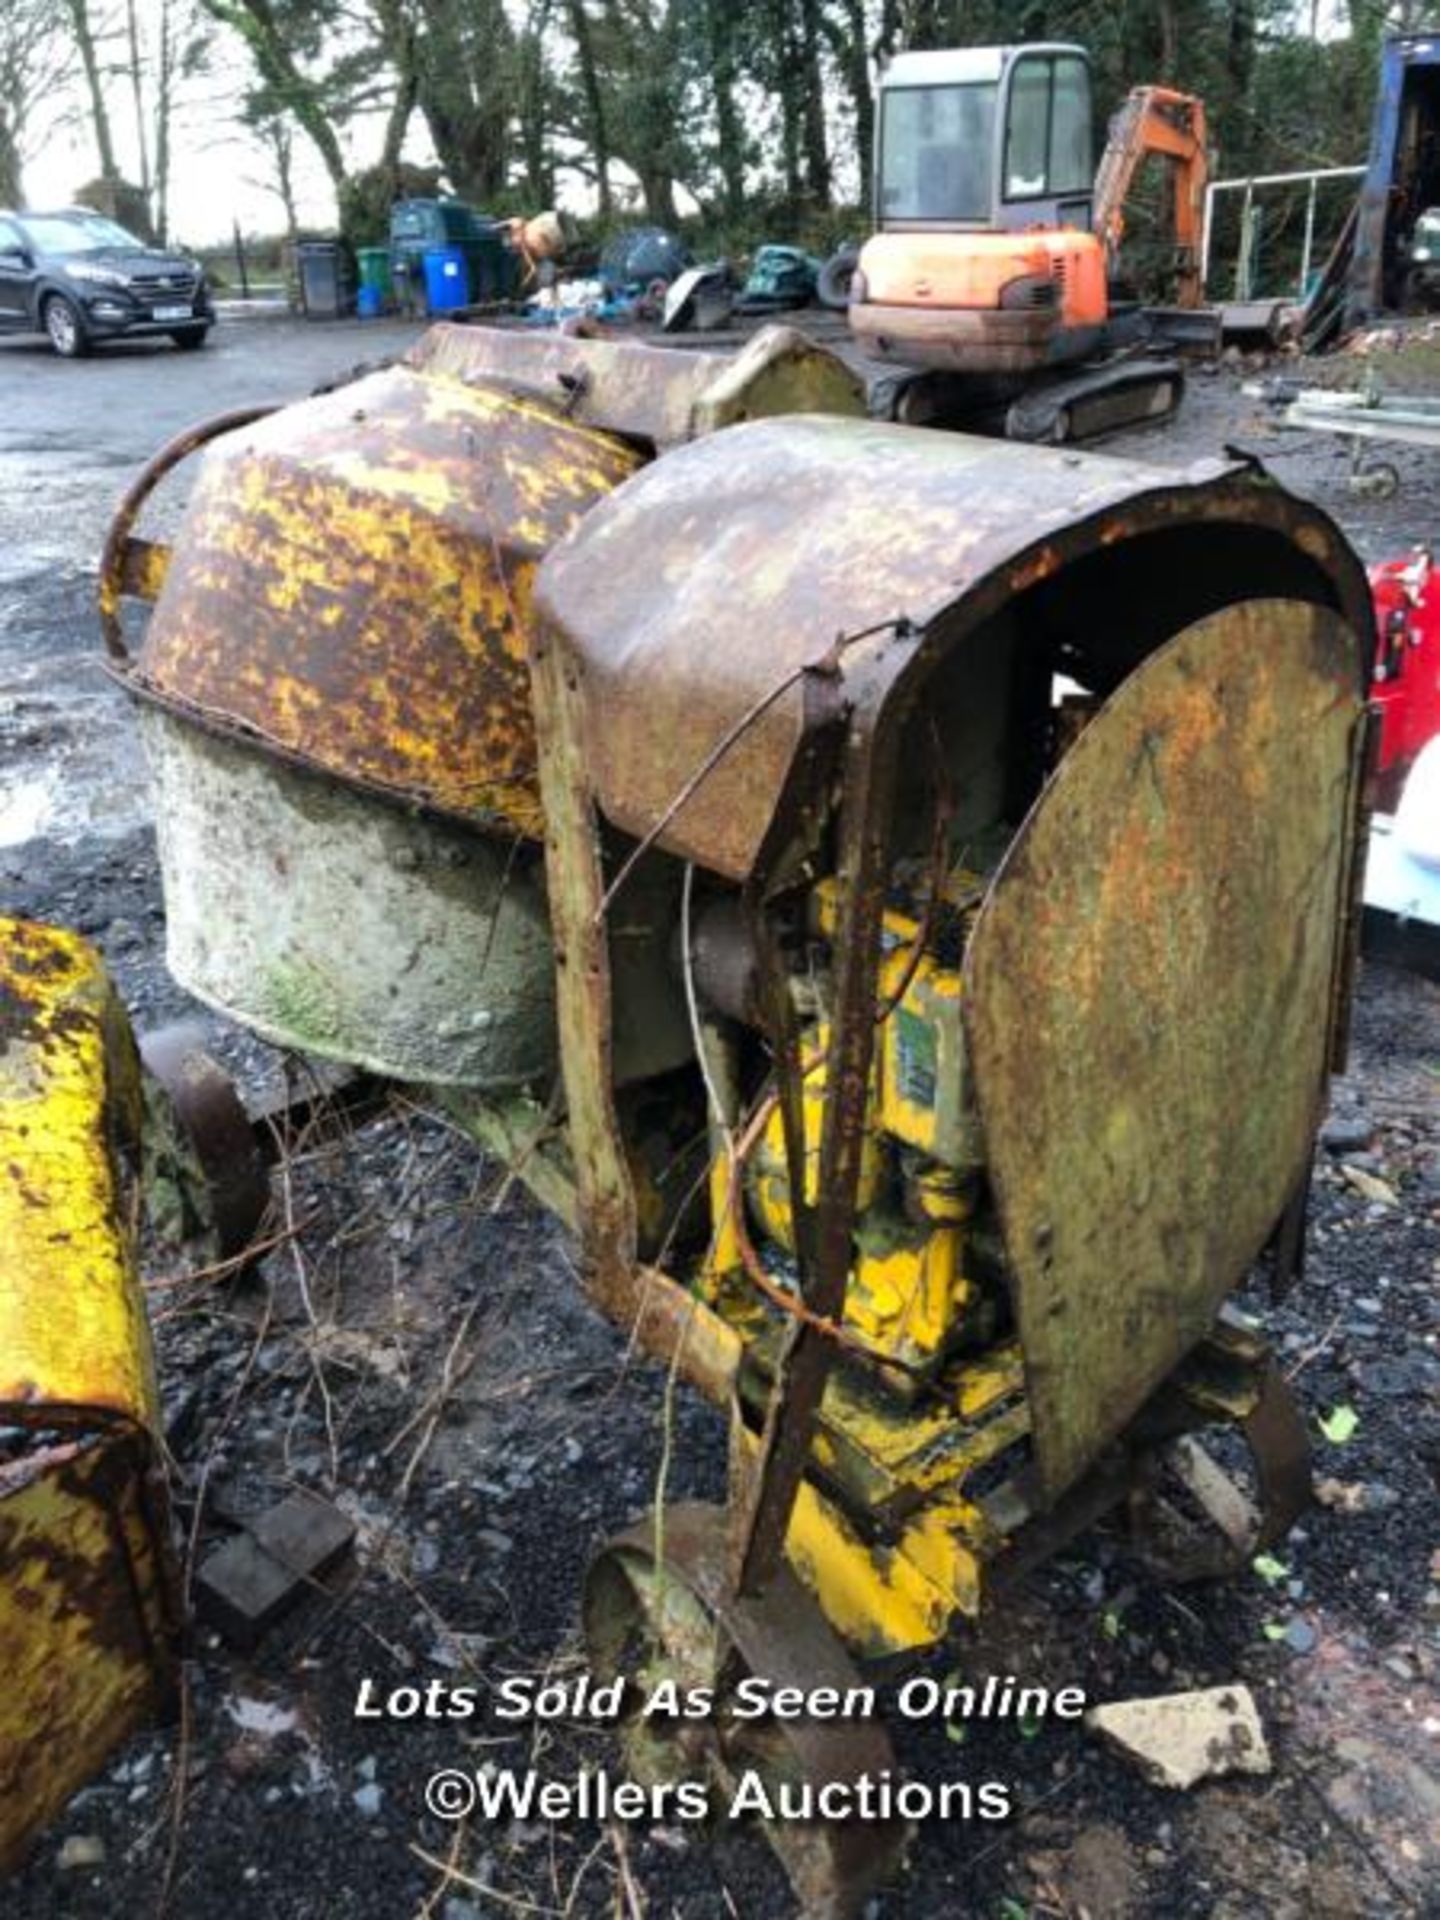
x: 986, y: 138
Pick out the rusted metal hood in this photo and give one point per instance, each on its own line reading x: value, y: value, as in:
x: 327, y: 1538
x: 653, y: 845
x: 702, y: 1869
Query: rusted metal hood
x: 352, y: 582
x: 661, y: 395
x: 708, y: 584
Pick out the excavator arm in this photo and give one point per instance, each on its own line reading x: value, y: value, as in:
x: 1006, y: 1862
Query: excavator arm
x: 1157, y: 120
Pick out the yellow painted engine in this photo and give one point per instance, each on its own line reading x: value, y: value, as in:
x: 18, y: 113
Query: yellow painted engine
x: 918, y: 1290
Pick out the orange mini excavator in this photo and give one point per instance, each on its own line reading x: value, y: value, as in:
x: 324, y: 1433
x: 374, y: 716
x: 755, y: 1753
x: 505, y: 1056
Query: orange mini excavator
x: 988, y: 280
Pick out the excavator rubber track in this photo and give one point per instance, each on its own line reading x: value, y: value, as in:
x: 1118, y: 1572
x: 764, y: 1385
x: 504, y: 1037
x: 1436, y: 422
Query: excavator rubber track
x: 1106, y: 398
x: 1097, y: 400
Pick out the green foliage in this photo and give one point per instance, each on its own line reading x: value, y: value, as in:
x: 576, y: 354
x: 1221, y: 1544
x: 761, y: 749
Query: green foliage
x: 375, y: 191
x: 759, y: 112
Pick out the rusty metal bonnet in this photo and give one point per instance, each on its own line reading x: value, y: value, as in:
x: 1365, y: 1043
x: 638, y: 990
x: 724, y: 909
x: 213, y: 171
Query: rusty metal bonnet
x: 336, y: 691
x: 341, y: 699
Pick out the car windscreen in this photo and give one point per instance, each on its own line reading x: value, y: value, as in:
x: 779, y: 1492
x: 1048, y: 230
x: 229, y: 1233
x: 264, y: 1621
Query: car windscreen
x: 937, y: 152
x: 67, y: 233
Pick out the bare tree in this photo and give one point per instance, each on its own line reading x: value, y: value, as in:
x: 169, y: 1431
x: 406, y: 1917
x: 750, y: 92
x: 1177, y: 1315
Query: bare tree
x: 318, y: 63
x: 137, y: 86
x: 89, y: 33
x: 179, y: 51
x: 275, y: 136
x: 36, y: 62
x: 279, y: 41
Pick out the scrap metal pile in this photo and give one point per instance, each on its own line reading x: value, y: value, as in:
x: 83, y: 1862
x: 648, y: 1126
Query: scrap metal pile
x: 892, y: 893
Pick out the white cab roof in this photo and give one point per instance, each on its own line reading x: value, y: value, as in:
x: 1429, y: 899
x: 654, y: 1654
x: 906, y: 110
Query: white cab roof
x: 961, y: 66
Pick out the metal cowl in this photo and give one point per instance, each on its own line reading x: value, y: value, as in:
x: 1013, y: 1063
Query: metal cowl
x: 336, y: 707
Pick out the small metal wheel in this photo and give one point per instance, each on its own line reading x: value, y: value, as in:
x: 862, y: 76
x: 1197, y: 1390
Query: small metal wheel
x: 668, y: 1615
x: 1379, y: 481
x: 1234, y: 1523
x: 205, y: 1178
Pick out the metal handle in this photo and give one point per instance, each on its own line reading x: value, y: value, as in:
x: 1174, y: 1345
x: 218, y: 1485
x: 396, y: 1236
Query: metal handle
x: 137, y: 568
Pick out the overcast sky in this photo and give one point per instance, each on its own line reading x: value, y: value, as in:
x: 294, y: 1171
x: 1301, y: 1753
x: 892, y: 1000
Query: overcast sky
x: 218, y: 174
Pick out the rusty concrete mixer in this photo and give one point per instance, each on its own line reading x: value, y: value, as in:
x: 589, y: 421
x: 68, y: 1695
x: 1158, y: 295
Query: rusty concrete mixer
x: 957, y: 839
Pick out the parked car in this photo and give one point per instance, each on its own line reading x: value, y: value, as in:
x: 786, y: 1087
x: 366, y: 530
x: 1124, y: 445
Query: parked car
x: 80, y: 279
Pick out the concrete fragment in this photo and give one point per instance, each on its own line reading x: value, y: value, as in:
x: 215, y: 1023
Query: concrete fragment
x: 305, y: 1534
x: 1370, y: 1185
x: 80, y: 1850
x: 245, y: 1586
x: 1178, y: 1739
x: 1347, y: 1132
x: 243, y: 1592
x: 265, y: 1718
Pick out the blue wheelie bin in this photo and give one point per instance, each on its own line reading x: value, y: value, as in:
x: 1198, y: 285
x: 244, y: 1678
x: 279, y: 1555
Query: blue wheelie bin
x: 447, y: 279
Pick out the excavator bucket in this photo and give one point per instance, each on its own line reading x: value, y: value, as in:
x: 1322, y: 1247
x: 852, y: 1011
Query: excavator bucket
x: 87, y: 1590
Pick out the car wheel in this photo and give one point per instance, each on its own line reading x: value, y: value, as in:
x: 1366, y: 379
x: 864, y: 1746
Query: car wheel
x: 189, y: 337
x: 65, y: 328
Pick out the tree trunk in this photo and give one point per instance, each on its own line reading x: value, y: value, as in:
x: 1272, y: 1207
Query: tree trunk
x: 929, y: 26
x: 38, y: 64
x: 12, y: 192
x: 533, y: 101
x: 594, y: 104
x: 643, y: 55
x: 890, y: 31
x: 1240, y: 50
x: 464, y: 59
x: 164, y: 107
x: 729, y: 129
x: 659, y: 191
x: 137, y: 93
x: 99, y: 112
x: 817, y: 154
x: 397, y: 36
x: 854, y: 57
x: 254, y: 22
x: 792, y: 105
x: 284, y: 155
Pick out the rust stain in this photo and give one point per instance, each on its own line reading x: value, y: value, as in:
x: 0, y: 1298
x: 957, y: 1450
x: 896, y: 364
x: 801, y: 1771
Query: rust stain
x: 1148, y: 1004
x: 353, y: 585
x: 87, y: 1601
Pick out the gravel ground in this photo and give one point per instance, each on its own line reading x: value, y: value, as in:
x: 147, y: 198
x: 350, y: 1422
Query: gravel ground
x: 414, y: 1251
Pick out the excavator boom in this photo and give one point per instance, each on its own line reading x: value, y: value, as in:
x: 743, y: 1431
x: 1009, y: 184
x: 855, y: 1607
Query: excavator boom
x: 1157, y: 120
